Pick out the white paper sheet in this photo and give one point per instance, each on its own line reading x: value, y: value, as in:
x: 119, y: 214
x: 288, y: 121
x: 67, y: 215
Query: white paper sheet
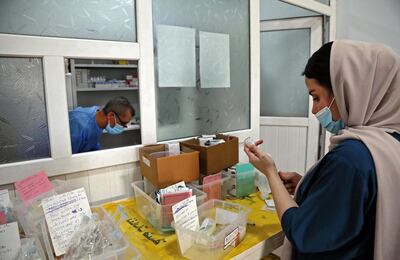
x: 4, y: 198
x: 176, y: 56
x: 63, y: 214
x: 185, y: 215
x: 214, y: 60
x: 9, y: 241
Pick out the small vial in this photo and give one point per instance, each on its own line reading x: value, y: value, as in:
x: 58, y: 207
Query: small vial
x: 248, y: 141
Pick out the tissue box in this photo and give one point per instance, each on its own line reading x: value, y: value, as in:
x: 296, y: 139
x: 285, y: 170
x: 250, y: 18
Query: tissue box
x: 217, y: 157
x: 163, y: 169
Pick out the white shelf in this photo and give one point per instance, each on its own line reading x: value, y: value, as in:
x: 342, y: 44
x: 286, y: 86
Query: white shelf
x: 105, y: 89
x: 117, y: 66
x: 129, y: 128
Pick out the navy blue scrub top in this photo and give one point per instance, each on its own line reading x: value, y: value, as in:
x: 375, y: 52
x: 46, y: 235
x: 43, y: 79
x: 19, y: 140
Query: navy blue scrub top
x: 85, y: 133
x: 337, y: 206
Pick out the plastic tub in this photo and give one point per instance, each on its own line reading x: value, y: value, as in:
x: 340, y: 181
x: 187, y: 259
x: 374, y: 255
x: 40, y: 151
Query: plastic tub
x: 32, y: 248
x: 199, y: 245
x: 219, y: 189
x: 159, y: 216
x: 123, y: 250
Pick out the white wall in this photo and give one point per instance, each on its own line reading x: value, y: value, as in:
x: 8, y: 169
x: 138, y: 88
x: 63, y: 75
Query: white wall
x: 369, y: 20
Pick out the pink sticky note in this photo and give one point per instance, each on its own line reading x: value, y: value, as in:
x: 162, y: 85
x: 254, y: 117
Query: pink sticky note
x: 3, y: 218
x: 32, y: 186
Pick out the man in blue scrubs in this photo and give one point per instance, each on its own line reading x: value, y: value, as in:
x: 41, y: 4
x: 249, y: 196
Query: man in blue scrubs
x: 87, y: 123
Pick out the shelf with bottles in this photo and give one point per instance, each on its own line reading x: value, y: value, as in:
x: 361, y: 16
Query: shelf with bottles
x: 107, y: 89
x: 104, y: 75
x: 116, y: 66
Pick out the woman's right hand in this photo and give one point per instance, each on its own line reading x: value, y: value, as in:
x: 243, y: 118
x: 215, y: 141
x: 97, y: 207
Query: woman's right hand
x: 290, y: 180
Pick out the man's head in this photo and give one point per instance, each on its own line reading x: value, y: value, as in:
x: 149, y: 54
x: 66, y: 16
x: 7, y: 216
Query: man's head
x: 118, y: 110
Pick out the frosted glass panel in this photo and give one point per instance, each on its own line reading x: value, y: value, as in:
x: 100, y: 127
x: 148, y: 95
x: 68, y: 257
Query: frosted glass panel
x: 284, y: 55
x: 96, y: 19
x: 183, y: 112
x: 23, y: 122
x: 275, y: 9
x: 176, y: 56
x: 214, y: 60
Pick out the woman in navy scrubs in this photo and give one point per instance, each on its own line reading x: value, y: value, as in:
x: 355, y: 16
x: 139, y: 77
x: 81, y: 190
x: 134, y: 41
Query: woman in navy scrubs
x: 344, y: 206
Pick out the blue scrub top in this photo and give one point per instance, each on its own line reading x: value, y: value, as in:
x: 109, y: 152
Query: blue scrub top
x: 85, y: 133
x: 337, y: 206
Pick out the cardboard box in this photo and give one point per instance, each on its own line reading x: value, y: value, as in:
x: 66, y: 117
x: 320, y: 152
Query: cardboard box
x: 165, y: 171
x: 217, y: 157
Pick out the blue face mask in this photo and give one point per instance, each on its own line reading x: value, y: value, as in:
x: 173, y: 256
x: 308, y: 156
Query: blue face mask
x: 116, y: 130
x: 324, y: 116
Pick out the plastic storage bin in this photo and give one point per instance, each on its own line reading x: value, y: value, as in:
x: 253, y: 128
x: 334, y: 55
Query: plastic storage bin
x: 122, y: 251
x: 199, y: 245
x: 219, y: 189
x: 32, y: 248
x: 159, y: 216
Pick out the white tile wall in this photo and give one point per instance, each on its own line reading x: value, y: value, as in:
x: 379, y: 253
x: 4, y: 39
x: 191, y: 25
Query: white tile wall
x: 287, y: 146
x: 79, y: 180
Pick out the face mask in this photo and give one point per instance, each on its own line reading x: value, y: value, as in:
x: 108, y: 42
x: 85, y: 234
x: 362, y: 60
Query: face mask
x: 116, y: 130
x: 324, y: 116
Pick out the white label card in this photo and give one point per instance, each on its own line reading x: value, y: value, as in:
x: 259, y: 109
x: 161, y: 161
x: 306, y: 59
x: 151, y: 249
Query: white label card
x: 146, y: 161
x: 231, y: 238
x: 9, y: 241
x: 63, y: 214
x: 270, y: 203
x: 4, y: 198
x: 185, y: 215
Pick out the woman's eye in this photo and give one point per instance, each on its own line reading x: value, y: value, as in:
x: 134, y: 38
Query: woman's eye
x: 315, y: 99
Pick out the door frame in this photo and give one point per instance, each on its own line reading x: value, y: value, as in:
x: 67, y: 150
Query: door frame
x: 316, y: 35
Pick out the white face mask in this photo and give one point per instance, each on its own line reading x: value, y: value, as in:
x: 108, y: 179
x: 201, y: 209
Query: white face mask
x: 116, y: 130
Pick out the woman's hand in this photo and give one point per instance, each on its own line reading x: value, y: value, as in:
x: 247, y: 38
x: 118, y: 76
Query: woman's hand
x: 290, y: 180
x: 262, y: 161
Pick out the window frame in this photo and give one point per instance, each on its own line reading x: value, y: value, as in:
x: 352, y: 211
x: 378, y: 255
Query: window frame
x: 54, y: 50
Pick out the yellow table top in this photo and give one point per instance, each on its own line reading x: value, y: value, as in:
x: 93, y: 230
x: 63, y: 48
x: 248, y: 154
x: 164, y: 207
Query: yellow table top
x: 153, y: 245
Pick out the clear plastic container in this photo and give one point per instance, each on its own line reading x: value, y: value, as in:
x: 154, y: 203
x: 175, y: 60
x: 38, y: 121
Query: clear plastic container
x: 200, y: 245
x: 159, y: 216
x: 219, y: 189
x: 30, y: 214
x: 122, y: 251
x: 31, y: 248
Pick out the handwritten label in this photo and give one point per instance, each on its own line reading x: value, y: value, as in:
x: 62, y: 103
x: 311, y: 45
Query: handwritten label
x: 185, y: 213
x: 33, y: 186
x: 140, y: 227
x: 4, y: 198
x: 186, y: 216
x: 63, y: 214
x: 9, y: 241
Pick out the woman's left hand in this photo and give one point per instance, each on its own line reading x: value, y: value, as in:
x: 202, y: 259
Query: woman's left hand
x: 262, y: 161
